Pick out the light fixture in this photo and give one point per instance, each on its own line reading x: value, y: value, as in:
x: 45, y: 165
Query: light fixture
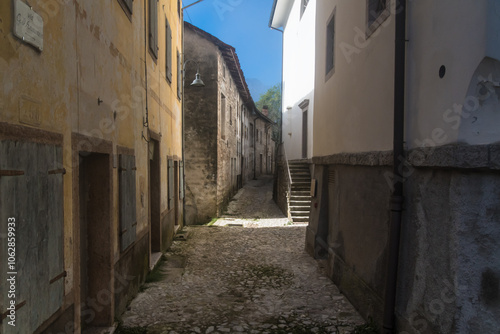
x: 197, y: 81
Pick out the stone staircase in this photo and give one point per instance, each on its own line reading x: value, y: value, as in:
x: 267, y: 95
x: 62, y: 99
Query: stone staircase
x: 300, y: 197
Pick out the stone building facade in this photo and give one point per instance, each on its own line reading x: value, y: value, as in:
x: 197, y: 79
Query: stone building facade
x: 90, y: 155
x: 418, y: 158
x: 222, y: 125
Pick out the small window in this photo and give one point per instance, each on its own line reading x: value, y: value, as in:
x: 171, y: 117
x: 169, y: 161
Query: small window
x: 251, y: 135
x: 303, y: 6
x: 378, y: 11
x: 330, y: 46
x: 153, y: 27
x: 223, y: 116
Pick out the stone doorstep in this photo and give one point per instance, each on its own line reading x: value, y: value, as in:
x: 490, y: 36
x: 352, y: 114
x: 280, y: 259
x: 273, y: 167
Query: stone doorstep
x: 155, y: 258
x: 182, y: 235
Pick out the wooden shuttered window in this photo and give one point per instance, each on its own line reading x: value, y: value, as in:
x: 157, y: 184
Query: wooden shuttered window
x: 168, y: 51
x: 153, y: 27
x: 181, y: 180
x: 32, y: 200
x: 179, y: 75
x: 170, y: 184
x: 127, y: 190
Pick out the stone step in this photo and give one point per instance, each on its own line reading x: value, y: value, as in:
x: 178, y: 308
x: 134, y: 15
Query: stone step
x: 301, y: 219
x: 300, y: 208
x: 301, y: 183
x: 296, y: 213
x: 301, y: 188
x: 301, y: 177
x: 295, y: 202
x: 303, y: 194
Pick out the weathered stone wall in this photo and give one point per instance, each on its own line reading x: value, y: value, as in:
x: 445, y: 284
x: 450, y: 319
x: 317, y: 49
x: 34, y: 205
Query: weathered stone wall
x: 449, y: 264
x: 227, y: 151
x: 201, y: 130
x: 449, y: 274
x: 350, y: 217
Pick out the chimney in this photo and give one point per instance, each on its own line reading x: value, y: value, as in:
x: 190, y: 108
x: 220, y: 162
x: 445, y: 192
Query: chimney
x: 265, y: 110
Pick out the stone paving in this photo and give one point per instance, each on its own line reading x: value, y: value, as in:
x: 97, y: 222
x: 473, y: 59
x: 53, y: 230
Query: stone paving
x: 242, y: 275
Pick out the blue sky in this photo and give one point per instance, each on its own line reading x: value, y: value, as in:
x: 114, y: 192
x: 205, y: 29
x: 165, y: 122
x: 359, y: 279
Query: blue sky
x: 244, y: 25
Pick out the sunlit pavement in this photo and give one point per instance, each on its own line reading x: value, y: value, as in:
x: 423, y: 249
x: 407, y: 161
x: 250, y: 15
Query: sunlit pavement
x: 250, y: 276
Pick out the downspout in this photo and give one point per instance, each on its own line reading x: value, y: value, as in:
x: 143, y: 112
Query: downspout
x: 280, y: 138
x: 399, y: 154
x: 280, y: 124
x: 183, y: 101
x: 255, y: 148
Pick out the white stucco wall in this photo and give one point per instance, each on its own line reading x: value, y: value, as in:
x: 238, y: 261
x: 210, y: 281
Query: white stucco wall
x: 455, y: 108
x: 353, y: 109
x: 298, y: 77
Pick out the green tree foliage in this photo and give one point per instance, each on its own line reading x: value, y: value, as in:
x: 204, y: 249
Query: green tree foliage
x: 272, y: 99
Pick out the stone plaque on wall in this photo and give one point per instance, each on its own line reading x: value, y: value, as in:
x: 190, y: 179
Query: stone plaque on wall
x: 28, y: 25
x: 29, y: 111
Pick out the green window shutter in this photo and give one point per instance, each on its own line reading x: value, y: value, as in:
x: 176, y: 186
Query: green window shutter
x: 32, y: 199
x: 168, y: 52
x: 127, y: 201
x: 153, y: 27
x: 179, y: 75
x: 170, y: 183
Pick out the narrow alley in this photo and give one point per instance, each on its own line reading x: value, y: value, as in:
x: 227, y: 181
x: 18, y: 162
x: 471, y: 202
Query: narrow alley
x: 248, y: 272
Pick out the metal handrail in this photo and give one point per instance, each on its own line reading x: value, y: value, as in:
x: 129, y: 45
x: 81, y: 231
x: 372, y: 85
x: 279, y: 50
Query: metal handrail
x: 287, y: 168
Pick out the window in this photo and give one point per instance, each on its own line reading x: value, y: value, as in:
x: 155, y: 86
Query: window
x: 330, y: 46
x: 303, y: 5
x: 170, y: 184
x: 127, y: 6
x: 153, y: 27
x: 168, y: 51
x: 378, y: 11
x: 179, y: 76
x: 127, y: 190
x: 223, y: 116
x: 251, y: 135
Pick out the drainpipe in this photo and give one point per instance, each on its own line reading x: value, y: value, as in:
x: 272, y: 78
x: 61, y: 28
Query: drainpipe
x: 280, y: 121
x: 397, y: 195
x: 255, y: 148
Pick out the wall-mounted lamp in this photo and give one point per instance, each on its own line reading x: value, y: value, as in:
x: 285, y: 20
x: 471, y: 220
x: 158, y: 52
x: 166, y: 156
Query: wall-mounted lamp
x: 197, y: 82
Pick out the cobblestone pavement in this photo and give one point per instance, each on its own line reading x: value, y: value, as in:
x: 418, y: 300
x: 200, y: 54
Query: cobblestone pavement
x: 254, y: 277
